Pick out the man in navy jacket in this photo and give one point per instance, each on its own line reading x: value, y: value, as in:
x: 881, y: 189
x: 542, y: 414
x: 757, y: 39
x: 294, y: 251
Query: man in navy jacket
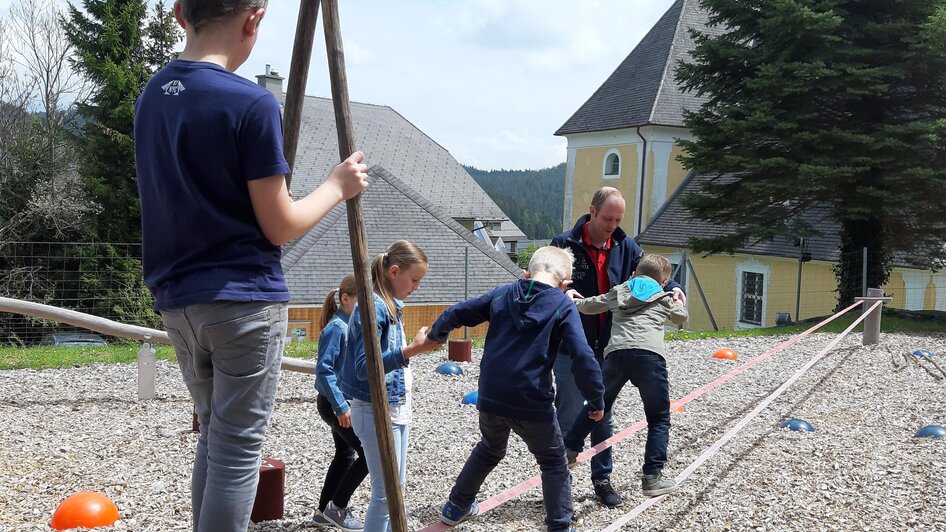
x: 528, y: 321
x: 604, y: 257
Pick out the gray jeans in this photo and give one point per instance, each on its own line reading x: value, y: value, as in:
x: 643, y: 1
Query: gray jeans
x: 229, y: 354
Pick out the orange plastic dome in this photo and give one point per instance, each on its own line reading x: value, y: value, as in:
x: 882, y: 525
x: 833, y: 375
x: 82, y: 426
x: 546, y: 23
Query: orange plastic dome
x: 726, y: 354
x: 86, y: 509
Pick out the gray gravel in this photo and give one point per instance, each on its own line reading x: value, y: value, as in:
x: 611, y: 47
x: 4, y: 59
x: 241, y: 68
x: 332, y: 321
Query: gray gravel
x: 82, y: 429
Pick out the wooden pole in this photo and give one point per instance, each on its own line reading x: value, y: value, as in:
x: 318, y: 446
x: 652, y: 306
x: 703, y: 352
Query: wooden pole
x: 699, y: 288
x: 359, y: 255
x: 872, y: 322
x: 298, y: 74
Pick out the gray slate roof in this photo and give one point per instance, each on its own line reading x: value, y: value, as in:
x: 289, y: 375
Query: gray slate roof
x: 642, y: 90
x: 673, y: 226
x: 393, y: 211
x: 391, y: 141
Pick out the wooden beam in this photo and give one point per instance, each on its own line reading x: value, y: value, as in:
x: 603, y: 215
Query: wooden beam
x: 298, y: 75
x: 359, y: 255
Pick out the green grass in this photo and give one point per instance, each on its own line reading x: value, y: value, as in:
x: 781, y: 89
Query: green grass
x: 893, y: 321
x: 68, y: 357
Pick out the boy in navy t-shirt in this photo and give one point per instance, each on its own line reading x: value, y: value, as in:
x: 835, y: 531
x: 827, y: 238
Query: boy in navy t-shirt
x: 528, y: 320
x: 214, y: 211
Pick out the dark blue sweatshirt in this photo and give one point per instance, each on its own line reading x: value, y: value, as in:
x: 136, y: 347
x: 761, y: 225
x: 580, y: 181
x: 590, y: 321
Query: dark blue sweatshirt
x: 527, y: 322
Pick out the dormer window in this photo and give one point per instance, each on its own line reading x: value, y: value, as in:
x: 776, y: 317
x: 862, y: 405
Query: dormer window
x: 612, y: 164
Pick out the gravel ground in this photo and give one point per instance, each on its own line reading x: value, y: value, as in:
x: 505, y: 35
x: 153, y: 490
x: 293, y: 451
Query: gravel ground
x: 82, y: 429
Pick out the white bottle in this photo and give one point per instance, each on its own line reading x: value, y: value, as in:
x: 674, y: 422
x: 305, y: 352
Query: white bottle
x: 146, y: 363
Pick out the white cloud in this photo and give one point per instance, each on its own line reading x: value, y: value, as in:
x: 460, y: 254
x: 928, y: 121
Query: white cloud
x: 489, y: 79
x: 504, y: 149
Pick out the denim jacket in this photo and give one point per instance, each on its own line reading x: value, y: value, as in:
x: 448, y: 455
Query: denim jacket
x: 353, y: 377
x: 332, y: 341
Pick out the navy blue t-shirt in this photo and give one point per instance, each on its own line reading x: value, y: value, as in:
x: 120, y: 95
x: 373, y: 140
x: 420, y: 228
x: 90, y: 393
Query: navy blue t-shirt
x: 201, y: 133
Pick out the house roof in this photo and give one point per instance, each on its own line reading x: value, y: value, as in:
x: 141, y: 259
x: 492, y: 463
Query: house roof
x: 643, y: 90
x: 674, y: 226
x: 391, y: 141
x: 393, y: 211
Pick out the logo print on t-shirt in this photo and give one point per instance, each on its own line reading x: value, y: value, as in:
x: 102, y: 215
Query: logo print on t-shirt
x: 173, y: 88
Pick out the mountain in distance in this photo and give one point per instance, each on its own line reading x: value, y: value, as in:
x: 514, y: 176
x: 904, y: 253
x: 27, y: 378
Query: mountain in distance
x: 533, y: 199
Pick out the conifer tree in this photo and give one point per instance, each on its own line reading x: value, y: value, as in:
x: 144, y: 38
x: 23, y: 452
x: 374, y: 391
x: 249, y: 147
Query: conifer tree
x: 117, y: 50
x: 823, y: 104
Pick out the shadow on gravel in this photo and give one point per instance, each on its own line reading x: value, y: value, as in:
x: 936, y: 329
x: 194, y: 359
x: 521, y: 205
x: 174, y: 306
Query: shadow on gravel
x: 104, y: 400
x: 703, y: 495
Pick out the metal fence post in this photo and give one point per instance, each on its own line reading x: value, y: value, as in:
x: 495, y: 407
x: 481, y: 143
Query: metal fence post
x: 864, y: 273
x: 466, y: 283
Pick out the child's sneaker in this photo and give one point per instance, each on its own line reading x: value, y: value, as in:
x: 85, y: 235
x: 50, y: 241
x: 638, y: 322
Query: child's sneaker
x: 606, y: 493
x: 453, y: 515
x: 342, y: 518
x: 654, y: 485
x: 572, y: 458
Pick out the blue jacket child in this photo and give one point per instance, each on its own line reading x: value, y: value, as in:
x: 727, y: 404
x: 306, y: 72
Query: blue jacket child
x: 353, y: 375
x: 528, y: 320
x: 331, y: 353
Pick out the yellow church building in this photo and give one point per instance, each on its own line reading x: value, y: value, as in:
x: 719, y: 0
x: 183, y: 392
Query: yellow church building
x: 626, y: 136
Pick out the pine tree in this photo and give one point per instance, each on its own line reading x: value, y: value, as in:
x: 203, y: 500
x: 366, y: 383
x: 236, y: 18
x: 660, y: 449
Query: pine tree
x: 117, y: 50
x: 823, y: 104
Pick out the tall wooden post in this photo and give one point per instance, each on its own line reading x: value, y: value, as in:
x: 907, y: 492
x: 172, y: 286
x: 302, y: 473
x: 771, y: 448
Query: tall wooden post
x: 298, y: 74
x: 359, y: 255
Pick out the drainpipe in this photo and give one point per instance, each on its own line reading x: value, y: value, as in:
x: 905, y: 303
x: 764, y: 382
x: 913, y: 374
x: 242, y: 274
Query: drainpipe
x: 640, y: 206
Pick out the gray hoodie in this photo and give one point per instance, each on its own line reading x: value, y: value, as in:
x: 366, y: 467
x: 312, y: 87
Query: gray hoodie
x: 639, y: 308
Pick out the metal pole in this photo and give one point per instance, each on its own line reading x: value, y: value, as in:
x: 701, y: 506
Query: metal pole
x: 864, y: 273
x: 699, y: 289
x: 466, y: 283
x: 359, y: 255
x: 798, y: 289
x: 682, y: 269
x: 298, y: 74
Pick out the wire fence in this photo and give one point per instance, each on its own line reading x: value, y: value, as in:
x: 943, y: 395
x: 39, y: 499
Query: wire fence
x: 103, y: 279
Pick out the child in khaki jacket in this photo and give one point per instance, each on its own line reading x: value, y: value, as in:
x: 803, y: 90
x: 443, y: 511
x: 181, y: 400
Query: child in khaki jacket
x: 635, y: 354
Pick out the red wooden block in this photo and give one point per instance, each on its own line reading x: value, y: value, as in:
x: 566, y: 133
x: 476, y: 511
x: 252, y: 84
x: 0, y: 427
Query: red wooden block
x: 270, y: 494
x: 460, y: 350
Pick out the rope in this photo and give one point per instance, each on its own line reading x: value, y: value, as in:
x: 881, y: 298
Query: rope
x: 527, y: 485
x: 616, y: 525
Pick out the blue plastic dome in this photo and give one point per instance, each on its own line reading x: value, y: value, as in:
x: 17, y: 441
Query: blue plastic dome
x: 931, y: 431
x: 449, y: 368
x: 471, y: 398
x: 797, y: 424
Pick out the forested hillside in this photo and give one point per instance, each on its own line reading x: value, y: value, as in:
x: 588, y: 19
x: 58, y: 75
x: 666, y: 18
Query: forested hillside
x: 532, y: 198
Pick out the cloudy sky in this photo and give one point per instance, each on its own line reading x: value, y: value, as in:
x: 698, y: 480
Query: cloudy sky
x: 490, y: 80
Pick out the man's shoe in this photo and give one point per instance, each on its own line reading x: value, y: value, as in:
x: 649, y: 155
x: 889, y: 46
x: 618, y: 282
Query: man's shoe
x: 572, y: 458
x: 453, y: 515
x: 606, y: 493
x: 320, y: 519
x: 342, y: 518
x: 655, y: 485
